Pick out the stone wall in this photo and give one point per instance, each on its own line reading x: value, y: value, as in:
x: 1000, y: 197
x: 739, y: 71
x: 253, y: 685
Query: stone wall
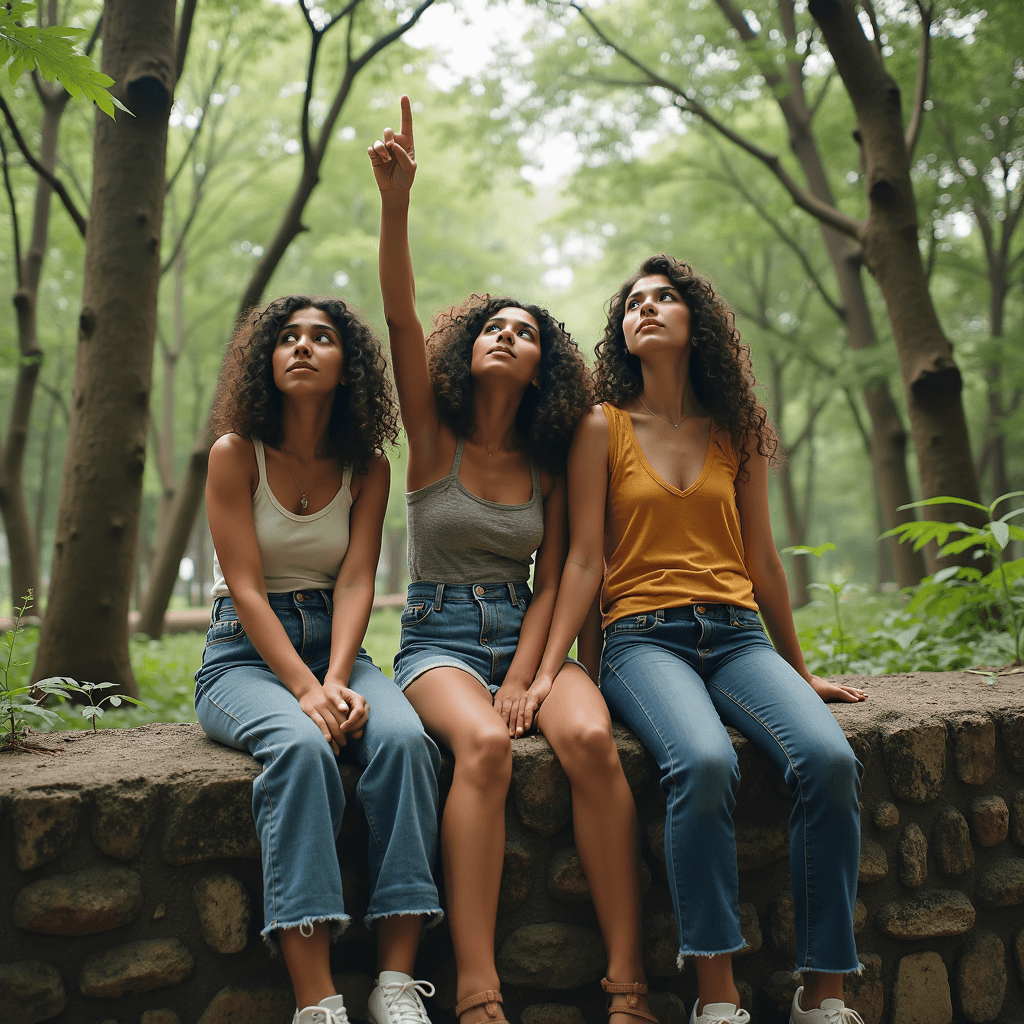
x: 130, y: 885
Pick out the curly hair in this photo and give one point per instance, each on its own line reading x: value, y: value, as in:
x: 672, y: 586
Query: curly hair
x: 720, y: 369
x: 364, y: 416
x: 548, y: 414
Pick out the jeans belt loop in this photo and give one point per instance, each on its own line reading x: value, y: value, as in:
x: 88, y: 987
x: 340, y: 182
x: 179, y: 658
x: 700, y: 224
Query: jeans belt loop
x: 215, y: 610
x: 438, y: 595
x: 512, y: 594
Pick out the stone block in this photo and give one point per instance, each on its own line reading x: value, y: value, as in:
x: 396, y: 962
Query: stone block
x: 915, y: 760
x: 863, y: 992
x: 236, y: 1005
x: 159, y: 1017
x: 552, y: 1013
x: 1018, y: 951
x: 874, y: 865
x: 121, y: 819
x: 951, y: 842
x: 755, y: 768
x: 668, y: 1008
x: 518, y: 870
x: 886, y: 816
x: 30, y: 992
x: 981, y: 977
x: 780, y: 990
x: 553, y: 956
x: 134, y: 967
x: 224, y: 907
x: 636, y: 762
x: 210, y: 820
x: 654, y: 836
x: 782, y: 927
x: 1001, y: 884
x: 568, y: 883
x: 356, y: 989
x: 82, y: 903
x: 920, y: 994
x: 539, y: 786
x: 927, y: 915
x: 860, y: 915
x: 45, y: 825
x: 974, y: 748
x: 660, y: 942
x: 750, y: 929
x: 990, y: 820
x: 757, y: 845
x: 1017, y: 817
x: 913, y: 856
x: 1011, y: 729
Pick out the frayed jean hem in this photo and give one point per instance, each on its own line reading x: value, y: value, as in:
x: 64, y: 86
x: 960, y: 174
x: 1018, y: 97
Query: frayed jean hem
x: 434, y: 916
x: 684, y: 953
x: 338, y: 926
x: 798, y: 971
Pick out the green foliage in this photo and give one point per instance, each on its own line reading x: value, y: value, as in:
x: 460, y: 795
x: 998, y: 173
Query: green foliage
x: 51, y: 50
x: 94, y: 709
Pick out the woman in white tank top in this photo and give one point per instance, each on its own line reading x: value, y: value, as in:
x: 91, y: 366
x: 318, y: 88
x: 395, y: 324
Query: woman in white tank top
x: 297, y: 490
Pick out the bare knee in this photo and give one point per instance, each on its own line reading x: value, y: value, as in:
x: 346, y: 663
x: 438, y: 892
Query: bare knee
x: 589, y: 752
x: 484, y: 758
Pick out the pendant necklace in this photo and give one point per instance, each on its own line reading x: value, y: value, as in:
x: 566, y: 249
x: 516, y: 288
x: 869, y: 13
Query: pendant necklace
x: 303, y: 500
x: 675, y: 426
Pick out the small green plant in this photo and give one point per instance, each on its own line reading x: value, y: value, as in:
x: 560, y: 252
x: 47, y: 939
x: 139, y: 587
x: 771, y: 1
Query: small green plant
x: 963, y: 597
x: 94, y: 709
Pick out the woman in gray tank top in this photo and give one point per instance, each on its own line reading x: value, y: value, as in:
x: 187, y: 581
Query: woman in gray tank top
x: 489, y: 405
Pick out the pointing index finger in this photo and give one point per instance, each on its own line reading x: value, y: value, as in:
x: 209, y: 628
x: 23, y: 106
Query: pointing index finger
x: 407, y: 119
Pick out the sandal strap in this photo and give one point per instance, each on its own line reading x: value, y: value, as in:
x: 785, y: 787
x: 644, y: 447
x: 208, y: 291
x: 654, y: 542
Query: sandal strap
x: 633, y: 1012
x: 632, y: 990
x: 489, y: 999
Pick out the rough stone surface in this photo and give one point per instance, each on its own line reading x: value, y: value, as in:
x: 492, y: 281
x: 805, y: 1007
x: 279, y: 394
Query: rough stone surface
x: 757, y: 845
x: 553, y: 956
x: 750, y: 929
x: 210, y: 820
x: 30, y: 992
x: 568, y: 883
x: 1001, y: 884
x: 134, y: 967
x: 886, y: 816
x: 913, y: 856
x: 552, y: 1013
x: 981, y: 977
x: 539, y: 786
x: 659, y: 939
x: 223, y: 906
x: 159, y: 1017
x: 236, y: 1005
x: 755, y: 768
x: 356, y: 989
x: 667, y: 1007
x: 654, y: 834
x: 121, y: 819
x: 974, y: 748
x: 1017, y: 817
x: 921, y: 992
x: 45, y: 825
x: 1018, y: 951
x: 927, y: 915
x: 636, y: 762
x: 990, y: 820
x: 1011, y: 729
x: 860, y: 915
x: 951, y: 842
x: 782, y: 927
x: 915, y: 759
x: 780, y: 988
x: 863, y: 992
x: 83, y: 903
x: 518, y: 870
x: 874, y: 865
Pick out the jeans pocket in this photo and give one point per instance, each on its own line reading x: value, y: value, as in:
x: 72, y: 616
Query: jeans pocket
x: 744, y: 618
x: 633, y: 624
x: 414, y: 613
x: 223, y: 631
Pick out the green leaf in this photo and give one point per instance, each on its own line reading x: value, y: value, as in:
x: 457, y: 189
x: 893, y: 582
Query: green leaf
x: 1010, y: 515
x: 92, y: 711
x: 946, y: 500
x: 1001, y: 532
x: 1006, y: 497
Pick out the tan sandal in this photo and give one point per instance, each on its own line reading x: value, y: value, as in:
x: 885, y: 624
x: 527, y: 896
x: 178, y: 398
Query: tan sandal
x: 633, y: 991
x: 489, y: 1000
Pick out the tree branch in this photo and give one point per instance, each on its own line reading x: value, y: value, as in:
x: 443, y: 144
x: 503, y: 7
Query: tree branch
x: 55, y: 183
x: 829, y: 76
x: 16, y: 229
x: 921, y: 89
x: 869, y: 8
x: 183, y: 35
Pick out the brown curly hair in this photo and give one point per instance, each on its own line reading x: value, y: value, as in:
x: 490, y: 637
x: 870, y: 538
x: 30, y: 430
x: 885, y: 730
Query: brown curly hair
x: 548, y: 414
x: 364, y: 417
x: 720, y: 369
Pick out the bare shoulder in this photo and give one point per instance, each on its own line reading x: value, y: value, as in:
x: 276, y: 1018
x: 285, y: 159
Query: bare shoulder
x: 232, y: 453
x: 593, y: 430
x: 376, y: 478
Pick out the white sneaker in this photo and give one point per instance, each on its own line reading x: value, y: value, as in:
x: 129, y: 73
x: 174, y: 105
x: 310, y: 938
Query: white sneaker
x: 719, y: 1013
x: 831, y: 1011
x: 328, y: 1011
x: 395, y: 999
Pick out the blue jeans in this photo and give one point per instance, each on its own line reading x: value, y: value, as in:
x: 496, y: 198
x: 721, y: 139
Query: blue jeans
x: 677, y: 677
x: 298, y: 800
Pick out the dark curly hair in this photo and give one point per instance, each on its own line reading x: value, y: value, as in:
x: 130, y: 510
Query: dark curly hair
x: 548, y: 414
x: 720, y: 369
x: 364, y: 417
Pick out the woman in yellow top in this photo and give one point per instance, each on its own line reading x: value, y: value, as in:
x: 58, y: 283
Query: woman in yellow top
x: 668, y: 497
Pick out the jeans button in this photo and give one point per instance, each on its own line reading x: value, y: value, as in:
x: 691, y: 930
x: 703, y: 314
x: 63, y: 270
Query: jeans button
x: 479, y: 591
x: 300, y: 597
x: 701, y: 609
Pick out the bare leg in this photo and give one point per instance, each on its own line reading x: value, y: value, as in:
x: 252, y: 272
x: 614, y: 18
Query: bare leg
x: 457, y: 711
x: 398, y: 939
x: 818, y: 986
x: 714, y: 980
x: 575, y: 720
x: 307, y: 958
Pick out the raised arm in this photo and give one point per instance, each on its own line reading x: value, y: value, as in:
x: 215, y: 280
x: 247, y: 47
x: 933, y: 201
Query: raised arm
x: 229, y: 488
x: 764, y: 567
x: 394, y: 168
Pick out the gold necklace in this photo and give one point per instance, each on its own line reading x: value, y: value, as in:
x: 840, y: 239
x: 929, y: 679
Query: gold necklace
x: 303, y: 500
x: 661, y: 416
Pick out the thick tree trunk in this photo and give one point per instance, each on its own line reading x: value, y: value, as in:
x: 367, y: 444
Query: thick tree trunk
x: 395, y: 536
x: 85, y: 631
x: 796, y: 531
x: 890, y: 242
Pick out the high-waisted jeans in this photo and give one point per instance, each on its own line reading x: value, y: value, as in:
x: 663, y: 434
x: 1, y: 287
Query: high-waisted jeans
x: 677, y: 677
x: 298, y: 800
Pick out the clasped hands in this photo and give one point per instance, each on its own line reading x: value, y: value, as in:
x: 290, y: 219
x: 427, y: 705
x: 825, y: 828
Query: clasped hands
x: 518, y: 700
x: 338, y: 712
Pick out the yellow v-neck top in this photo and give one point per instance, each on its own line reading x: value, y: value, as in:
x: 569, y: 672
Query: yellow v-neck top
x: 665, y: 548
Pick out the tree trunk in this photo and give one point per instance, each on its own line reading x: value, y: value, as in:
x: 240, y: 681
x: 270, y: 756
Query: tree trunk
x: 396, y: 559
x: 85, y: 631
x: 931, y: 378
x: 796, y: 532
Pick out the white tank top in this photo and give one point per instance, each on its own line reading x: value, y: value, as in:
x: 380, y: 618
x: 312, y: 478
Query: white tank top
x: 299, y: 552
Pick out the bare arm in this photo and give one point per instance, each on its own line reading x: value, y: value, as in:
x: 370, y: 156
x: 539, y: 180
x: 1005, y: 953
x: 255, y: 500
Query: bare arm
x: 769, y: 578
x: 590, y: 643
x: 229, y: 489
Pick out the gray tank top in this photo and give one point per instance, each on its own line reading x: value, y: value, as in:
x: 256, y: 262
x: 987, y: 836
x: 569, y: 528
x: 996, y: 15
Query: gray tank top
x: 456, y: 537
